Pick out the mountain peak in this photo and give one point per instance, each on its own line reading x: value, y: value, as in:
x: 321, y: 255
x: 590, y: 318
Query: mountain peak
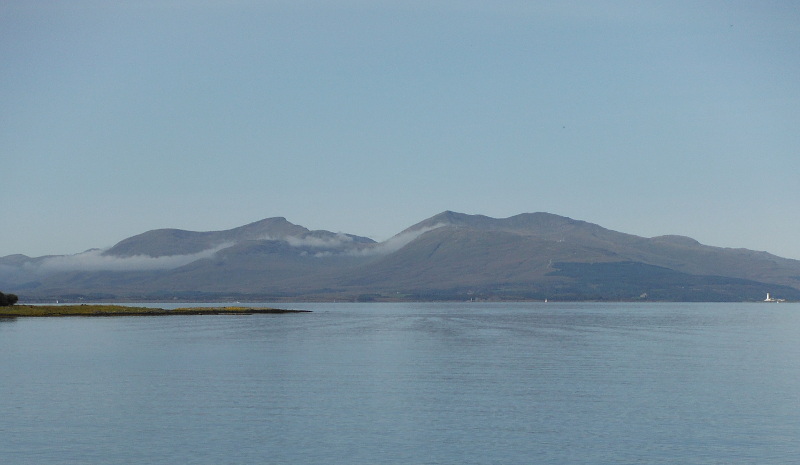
x: 451, y: 218
x: 166, y: 242
x: 521, y: 222
x: 276, y: 227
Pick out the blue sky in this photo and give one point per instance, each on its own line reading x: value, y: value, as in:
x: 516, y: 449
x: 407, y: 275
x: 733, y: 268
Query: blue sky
x: 365, y: 117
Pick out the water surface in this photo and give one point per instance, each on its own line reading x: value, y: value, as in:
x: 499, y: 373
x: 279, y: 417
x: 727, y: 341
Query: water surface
x: 471, y: 383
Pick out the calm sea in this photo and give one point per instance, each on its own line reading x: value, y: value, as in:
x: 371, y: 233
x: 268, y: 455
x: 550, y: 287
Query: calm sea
x: 472, y: 383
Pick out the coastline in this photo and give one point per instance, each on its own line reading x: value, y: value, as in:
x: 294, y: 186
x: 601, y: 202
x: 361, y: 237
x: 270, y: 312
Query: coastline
x: 88, y: 310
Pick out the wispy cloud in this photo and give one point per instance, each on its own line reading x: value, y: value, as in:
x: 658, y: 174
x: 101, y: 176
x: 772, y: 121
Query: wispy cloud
x: 94, y: 260
x: 339, y: 240
x: 395, y: 243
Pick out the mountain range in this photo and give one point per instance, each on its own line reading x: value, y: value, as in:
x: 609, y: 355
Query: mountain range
x: 450, y: 256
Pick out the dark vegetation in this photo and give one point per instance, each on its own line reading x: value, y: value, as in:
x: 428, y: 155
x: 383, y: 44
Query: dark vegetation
x: 7, y: 300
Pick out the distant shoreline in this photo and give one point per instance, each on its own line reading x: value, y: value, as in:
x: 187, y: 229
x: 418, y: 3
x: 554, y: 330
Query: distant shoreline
x: 88, y: 310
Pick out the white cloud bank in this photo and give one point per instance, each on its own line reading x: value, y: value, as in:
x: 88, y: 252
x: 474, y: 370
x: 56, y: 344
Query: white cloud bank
x: 94, y: 260
x: 335, y: 242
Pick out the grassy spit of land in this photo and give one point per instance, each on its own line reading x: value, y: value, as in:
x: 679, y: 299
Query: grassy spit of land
x: 124, y: 310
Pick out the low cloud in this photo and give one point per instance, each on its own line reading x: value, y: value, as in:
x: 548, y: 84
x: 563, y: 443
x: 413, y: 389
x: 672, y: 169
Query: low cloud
x: 94, y: 260
x: 395, y: 243
x: 337, y: 241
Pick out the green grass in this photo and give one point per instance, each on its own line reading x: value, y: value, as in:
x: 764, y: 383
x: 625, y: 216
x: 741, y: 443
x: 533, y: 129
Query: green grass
x: 123, y: 310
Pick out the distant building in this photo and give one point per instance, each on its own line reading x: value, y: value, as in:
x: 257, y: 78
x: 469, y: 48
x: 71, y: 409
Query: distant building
x: 773, y: 299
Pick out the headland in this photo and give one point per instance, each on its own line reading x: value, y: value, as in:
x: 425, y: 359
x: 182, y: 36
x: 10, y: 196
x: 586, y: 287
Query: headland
x: 124, y: 310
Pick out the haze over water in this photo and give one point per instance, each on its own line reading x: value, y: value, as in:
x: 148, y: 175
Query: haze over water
x: 407, y: 383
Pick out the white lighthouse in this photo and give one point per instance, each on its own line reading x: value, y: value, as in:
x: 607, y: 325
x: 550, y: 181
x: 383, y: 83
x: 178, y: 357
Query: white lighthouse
x: 772, y: 299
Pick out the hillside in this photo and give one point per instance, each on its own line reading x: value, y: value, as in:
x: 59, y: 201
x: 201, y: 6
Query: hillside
x: 448, y: 256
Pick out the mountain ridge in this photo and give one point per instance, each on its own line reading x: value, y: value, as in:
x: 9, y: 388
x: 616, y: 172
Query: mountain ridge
x: 450, y: 256
x: 167, y: 242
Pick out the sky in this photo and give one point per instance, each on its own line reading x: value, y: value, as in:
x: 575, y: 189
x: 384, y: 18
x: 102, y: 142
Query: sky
x: 366, y: 117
